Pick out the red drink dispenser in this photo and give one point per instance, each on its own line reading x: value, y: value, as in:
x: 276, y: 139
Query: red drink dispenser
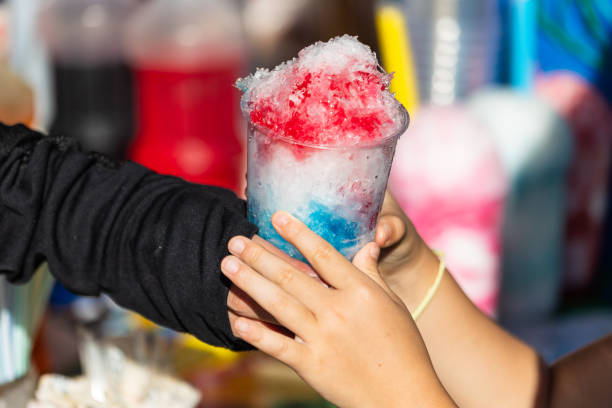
x: 186, y: 56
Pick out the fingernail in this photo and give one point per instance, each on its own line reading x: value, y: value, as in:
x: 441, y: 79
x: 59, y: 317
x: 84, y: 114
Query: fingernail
x: 242, y: 325
x: 230, y: 266
x: 236, y: 246
x: 374, y: 251
x: 281, y: 219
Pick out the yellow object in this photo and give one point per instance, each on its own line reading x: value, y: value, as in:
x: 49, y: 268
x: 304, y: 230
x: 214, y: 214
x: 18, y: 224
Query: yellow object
x: 142, y: 322
x: 396, y: 54
x: 432, y: 290
x: 188, y: 340
x: 220, y: 353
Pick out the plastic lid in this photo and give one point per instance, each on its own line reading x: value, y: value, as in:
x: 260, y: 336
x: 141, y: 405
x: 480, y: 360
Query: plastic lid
x: 185, y: 33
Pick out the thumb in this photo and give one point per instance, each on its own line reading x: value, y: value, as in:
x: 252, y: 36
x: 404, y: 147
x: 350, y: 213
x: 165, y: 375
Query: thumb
x: 390, y: 230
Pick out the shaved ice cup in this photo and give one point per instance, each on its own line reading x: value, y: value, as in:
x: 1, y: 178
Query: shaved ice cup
x: 337, y: 191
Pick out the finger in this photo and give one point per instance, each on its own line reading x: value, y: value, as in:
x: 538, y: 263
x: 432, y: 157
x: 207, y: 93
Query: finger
x: 383, y: 232
x: 366, y: 260
x: 329, y: 263
x: 283, y: 307
x: 392, y: 230
x: 299, y: 265
x: 299, y: 285
x: 232, y: 319
x: 389, y: 231
x: 279, y: 346
x: 242, y: 304
x: 272, y: 326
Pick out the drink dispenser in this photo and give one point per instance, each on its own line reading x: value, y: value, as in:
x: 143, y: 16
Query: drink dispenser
x: 185, y: 56
x: 93, y: 85
x: 455, y: 46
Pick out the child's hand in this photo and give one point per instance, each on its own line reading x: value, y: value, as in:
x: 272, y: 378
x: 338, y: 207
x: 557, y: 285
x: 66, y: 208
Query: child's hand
x: 402, y: 251
x: 353, y: 343
x: 240, y: 304
x: 395, y: 233
x: 403, y: 247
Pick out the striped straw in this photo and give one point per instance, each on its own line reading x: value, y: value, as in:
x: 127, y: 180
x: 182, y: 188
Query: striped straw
x: 21, y: 308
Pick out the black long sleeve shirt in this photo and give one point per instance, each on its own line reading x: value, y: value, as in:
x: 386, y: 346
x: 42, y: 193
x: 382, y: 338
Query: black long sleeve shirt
x: 153, y: 243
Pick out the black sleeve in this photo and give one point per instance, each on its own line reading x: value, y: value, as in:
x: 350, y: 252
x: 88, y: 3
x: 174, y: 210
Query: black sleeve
x: 151, y: 242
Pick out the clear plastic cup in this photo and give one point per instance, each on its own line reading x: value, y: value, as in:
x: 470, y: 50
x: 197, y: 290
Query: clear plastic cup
x: 455, y: 44
x: 336, y: 191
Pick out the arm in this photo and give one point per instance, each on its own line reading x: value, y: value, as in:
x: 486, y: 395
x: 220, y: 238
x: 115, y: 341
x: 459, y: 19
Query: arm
x: 354, y: 342
x: 582, y: 379
x: 152, y: 242
x: 476, y: 360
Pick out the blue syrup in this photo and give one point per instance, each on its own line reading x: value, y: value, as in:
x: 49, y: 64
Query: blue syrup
x: 342, y: 233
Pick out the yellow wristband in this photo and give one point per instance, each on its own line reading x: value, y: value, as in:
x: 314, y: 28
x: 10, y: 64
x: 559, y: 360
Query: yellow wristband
x: 432, y: 290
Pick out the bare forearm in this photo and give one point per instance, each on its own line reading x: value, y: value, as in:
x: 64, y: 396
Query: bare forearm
x: 476, y: 361
x: 582, y: 379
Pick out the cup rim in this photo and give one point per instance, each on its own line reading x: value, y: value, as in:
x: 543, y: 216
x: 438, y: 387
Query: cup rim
x: 405, y: 121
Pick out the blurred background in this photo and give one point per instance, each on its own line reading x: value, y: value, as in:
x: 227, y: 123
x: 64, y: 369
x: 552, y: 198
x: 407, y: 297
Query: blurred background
x: 505, y: 166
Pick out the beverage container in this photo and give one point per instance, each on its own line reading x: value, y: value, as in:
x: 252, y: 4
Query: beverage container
x: 21, y: 306
x: 27, y: 56
x: 455, y: 46
x: 336, y: 191
x: 95, y: 106
x: 448, y: 178
x: 322, y: 134
x: 185, y: 56
x: 589, y: 174
x: 93, y: 85
x: 535, y: 147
